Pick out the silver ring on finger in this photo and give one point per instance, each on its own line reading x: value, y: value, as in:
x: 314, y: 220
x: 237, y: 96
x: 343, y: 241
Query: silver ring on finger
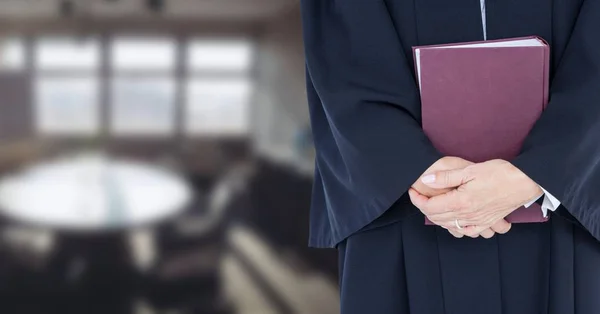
x: 457, y: 224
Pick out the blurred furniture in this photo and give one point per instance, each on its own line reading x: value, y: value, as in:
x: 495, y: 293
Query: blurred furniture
x: 91, y: 203
x: 90, y: 192
x: 186, y: 276
x: 280, y: 197
x: 25, y: 254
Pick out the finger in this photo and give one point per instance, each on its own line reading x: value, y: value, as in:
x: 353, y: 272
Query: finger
x: 447, y: 219
x: 450, y: 223
x: 444, y: 224
x: 456, y: 234
x: 473, y: 235
x: 501, y: 227
x: 446, y: 179
x: 443, y: 205
x: 487, y: 233
x: 419, y: 200
x: 473, y: 231
x: 451, y: 229
x: 457, y: 227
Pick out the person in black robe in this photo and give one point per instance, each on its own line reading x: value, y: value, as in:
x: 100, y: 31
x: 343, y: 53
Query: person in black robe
x: 365, y: 114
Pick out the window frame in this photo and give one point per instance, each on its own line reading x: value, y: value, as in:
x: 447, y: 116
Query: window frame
x: 38, y: 74
x: 115, y: 73
x: 192, y: 75
x: 182, y: 75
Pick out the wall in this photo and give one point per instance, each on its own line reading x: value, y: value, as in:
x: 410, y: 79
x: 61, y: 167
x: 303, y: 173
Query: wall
x: 15, y: 108
x: 203, y: 156
x: 280, y: 109
x: 282, y: 185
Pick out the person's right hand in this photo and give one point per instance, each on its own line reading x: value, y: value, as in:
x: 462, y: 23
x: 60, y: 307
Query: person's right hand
x: 451, y: 163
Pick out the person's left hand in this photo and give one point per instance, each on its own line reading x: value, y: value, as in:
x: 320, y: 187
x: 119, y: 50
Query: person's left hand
x: 485, y: 193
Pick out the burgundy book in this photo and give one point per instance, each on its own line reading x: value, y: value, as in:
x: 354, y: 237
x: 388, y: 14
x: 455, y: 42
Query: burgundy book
x: 479, y: 100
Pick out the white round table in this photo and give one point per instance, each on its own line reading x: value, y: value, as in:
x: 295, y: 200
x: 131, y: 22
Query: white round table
x: 92, y: 192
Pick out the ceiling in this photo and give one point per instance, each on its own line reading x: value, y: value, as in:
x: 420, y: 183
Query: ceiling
x: 219, y: 10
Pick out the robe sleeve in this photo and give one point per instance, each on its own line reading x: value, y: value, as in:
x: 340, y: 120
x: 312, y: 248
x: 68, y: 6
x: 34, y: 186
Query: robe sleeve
x: 365, y: 111
x: 562, y: 152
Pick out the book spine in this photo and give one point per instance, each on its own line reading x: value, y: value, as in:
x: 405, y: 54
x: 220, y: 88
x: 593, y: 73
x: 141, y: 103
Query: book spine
x: 546, y: 75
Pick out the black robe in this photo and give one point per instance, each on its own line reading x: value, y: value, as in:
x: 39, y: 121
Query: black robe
x: 365, y: 114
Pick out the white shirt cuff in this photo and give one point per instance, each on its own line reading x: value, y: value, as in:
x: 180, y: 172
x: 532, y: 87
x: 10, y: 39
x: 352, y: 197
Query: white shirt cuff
x: 550, y: 202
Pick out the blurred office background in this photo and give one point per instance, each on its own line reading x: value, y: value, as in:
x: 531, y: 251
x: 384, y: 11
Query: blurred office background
x: 156, y: 157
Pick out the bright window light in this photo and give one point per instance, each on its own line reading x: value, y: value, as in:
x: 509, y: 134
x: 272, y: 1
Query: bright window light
x: 67, y: 53
x: 67, y: 106
x: 143, y: 106
x: 217, y: 106
x: 132, y: 53
x: 219, y: 55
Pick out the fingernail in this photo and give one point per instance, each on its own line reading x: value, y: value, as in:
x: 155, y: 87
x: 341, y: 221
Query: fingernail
x: 430, y: 178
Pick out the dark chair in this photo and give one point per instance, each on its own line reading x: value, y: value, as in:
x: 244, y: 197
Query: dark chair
x: 187, y: 273
x: 96, y: 273
x: 26, y: 284
x: 279, y: 210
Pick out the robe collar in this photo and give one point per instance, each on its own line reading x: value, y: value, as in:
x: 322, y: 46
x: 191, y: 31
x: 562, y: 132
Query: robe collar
x: 447, y: 21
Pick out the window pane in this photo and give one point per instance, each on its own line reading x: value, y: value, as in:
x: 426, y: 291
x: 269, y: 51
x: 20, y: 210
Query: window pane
x: 219, y: 55
x: 64, y: 53
x: 67, y: 105
x: 12, y: 54
x: 217, y: 106
x: 143, y: 54
x: 143, y: 106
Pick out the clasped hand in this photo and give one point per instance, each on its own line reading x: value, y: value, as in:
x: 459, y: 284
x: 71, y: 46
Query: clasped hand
x: 472, y: 199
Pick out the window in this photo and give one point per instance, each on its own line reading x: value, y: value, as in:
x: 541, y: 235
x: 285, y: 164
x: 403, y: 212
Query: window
x: 143, y: 87
x: 138, y: 78
x: 12, y: 54
x: 66, y: 85
x: 64, y: 54
x: 218, y: 87
x: 215, y: 55
x: 67, y: 106
x: 217, y: 106
x: 143, y: 106
x: 131, y: 53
